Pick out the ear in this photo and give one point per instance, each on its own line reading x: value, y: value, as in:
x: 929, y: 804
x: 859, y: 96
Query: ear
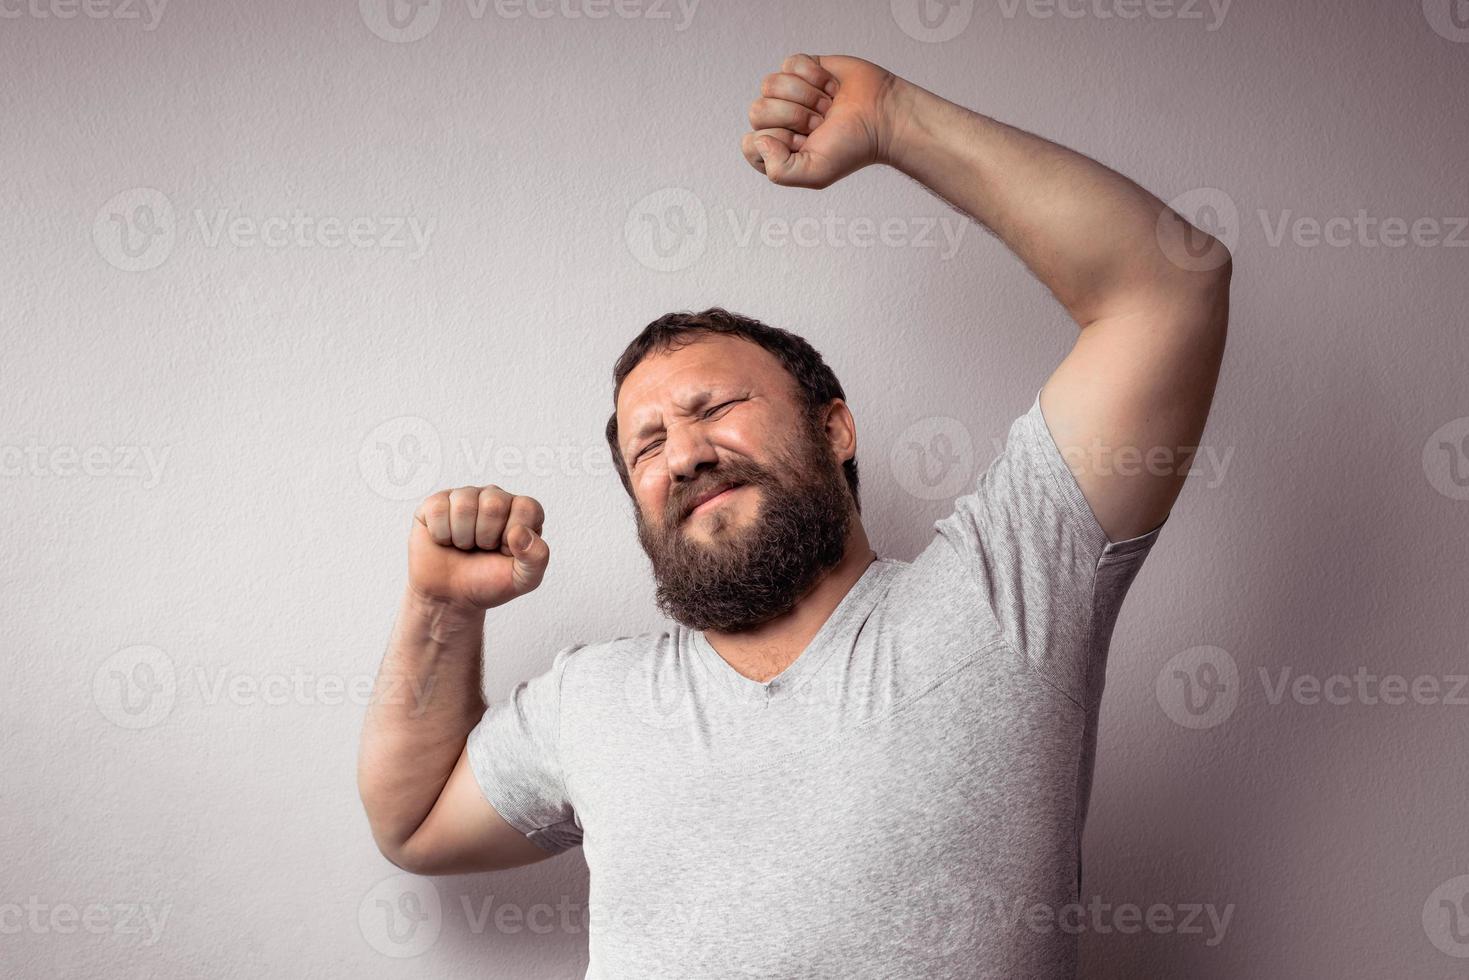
x: 840, y: 429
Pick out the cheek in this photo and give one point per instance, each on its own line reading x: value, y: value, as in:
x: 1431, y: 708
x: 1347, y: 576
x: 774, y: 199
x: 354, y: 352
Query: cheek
x: 650, y: 495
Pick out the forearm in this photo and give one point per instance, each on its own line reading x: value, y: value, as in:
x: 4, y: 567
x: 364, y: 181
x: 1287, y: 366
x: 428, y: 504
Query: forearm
x: 426, y: 699
x: 1089, y: 234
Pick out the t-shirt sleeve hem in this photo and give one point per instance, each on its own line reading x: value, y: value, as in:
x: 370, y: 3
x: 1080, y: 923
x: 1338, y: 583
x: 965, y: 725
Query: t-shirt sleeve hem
x: 550, y: 838
x: 1070, y: 491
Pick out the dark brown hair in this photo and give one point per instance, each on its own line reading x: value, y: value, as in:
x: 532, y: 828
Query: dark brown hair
x: 814, y: 380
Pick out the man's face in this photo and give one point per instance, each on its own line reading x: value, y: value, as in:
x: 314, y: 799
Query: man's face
x: 723, y: 412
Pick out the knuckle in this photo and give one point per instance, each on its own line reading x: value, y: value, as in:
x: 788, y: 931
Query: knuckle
x: 493, y: 501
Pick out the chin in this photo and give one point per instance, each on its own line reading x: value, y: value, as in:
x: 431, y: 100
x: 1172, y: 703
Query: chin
x: 717, y: 527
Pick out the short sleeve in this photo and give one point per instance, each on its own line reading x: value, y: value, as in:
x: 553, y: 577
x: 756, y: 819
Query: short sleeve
x: 1052, y: 578
x: 515, y: 753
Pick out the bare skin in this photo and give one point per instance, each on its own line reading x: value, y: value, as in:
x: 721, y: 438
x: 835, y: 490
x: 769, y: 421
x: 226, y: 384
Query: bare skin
x: 1140, y: 378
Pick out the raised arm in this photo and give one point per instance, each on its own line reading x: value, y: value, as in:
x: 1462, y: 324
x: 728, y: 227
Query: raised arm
x: 470, y: 549
x: 1150, y: 292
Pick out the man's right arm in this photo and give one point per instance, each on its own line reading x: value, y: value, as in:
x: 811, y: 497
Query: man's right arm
x: 425, y: 807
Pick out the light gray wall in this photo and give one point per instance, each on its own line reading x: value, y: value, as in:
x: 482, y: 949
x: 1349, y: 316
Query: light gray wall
x: 251, y: 555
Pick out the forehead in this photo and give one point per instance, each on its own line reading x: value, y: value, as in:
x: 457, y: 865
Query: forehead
x: 703, y: 363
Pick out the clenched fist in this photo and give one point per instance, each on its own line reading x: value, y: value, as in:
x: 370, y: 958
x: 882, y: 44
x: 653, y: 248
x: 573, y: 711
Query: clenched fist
x: 477, y: 546
x: 820, y: 118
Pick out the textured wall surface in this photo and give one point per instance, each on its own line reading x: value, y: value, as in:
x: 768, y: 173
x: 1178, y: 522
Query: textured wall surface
x: 274, y: 270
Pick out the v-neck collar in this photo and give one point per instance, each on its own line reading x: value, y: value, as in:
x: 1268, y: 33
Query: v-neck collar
x: 854, y: 606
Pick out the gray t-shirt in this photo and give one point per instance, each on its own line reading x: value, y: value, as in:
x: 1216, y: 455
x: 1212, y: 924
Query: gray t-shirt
x: 905, y: 800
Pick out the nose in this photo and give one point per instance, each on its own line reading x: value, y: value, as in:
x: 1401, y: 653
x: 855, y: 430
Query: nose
x: 687, y: 452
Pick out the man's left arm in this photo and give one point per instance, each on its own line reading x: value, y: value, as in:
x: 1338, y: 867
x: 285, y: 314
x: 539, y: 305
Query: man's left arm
x: 1128, y: 404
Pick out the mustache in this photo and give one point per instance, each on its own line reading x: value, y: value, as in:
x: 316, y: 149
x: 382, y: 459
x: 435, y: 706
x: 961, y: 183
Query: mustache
x: 682, y: 499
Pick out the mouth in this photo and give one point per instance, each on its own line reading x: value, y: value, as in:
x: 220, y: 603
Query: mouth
x: 711, y: 498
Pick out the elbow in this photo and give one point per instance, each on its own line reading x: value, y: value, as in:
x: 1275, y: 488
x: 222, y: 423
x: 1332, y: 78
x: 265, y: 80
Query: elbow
x: 397, y: 854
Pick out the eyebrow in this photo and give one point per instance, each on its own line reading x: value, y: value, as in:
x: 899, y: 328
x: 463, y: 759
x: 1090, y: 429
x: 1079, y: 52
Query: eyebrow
x: 696, y: 401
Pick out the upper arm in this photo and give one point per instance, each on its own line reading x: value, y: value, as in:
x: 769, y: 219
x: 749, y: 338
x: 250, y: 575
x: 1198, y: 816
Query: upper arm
x: 506, y: 802
x: 463, y: 833
x: 1128, y: 404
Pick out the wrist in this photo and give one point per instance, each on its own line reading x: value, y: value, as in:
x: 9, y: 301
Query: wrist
x: 441, y: 611
x: 910, y: 133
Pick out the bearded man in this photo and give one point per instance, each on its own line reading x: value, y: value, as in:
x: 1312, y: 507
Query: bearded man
x: 834, y: 763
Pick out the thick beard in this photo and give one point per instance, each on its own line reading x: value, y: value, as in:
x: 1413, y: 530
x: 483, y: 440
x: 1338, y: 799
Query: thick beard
x: 738, y: 579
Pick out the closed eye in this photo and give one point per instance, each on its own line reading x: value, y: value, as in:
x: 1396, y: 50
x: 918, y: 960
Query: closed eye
x: 706, y: 414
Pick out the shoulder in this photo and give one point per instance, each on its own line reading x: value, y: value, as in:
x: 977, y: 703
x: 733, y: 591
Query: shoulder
x: 591, y: 666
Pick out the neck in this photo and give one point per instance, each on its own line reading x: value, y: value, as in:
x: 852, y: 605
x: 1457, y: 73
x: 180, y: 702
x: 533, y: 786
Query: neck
x: 764, y: 651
